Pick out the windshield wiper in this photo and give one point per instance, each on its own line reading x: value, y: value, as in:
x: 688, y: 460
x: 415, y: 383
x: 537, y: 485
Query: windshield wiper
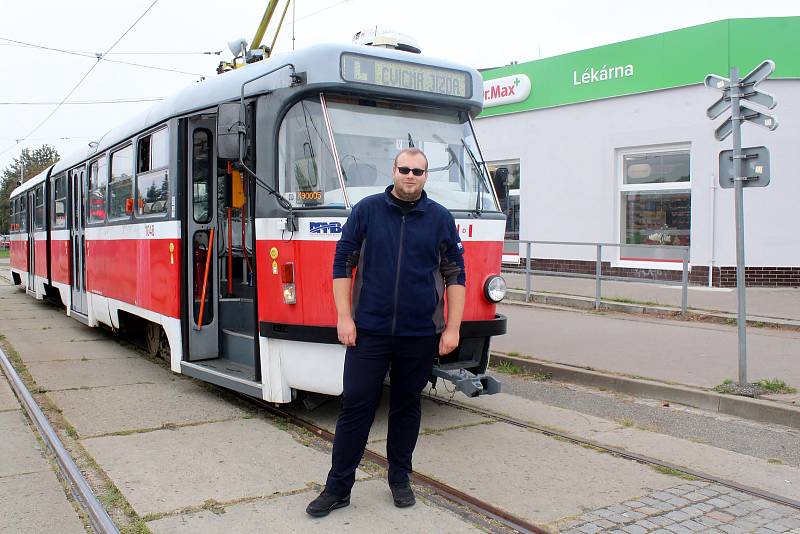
x: 479, y: 168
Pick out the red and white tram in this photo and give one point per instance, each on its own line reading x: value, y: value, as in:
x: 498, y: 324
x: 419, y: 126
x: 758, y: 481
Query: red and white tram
x: 210, y: 221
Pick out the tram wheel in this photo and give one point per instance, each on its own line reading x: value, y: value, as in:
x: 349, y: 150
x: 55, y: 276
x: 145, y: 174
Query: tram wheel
x: 157, y: 342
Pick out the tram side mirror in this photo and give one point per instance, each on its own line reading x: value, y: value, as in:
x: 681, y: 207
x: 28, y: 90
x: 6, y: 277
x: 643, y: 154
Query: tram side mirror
x: 228, y: 128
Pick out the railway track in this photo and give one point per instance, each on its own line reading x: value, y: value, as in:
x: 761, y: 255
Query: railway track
x: 491, y: 513
x: 622, y: 453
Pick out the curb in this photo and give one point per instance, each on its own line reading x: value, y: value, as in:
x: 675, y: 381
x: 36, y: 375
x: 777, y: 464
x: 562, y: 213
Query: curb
x: 517, y: 296
x: 744, y: 407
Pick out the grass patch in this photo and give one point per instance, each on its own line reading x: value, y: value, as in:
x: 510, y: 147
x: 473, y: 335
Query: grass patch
x: 514, y: 354
x: 541, y: 376
x: 775, y: 385
x: 508, y: 368
x: 673, y: 472
x: 627, y: 422
x: 775, y: 461
x: 624, y: 300
x: 137, y: 526
x: 4, y: 253
x: 213, y: 506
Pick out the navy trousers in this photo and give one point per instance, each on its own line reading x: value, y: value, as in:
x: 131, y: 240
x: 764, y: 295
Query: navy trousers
x: 409, y: 361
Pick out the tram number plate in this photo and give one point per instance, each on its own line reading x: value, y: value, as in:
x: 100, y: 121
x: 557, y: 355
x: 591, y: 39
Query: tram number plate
x: 405, y: 75
x: 305, y: 198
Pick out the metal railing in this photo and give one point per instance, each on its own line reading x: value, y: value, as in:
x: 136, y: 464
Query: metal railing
x: 598, y: 276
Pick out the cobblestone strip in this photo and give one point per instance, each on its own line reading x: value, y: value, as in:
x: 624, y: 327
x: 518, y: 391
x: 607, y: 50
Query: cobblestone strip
x: 693, y: 506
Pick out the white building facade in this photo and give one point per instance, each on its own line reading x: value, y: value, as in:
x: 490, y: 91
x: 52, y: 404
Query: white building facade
x: 613, y: 145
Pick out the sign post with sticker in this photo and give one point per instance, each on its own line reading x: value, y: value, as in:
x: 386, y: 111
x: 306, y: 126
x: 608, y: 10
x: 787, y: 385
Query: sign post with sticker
x: 742, y: 167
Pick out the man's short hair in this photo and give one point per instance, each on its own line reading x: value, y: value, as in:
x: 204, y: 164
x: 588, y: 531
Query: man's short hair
x: 413, y: 151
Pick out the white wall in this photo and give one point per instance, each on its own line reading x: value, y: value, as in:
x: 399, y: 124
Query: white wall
x: 570, y: 177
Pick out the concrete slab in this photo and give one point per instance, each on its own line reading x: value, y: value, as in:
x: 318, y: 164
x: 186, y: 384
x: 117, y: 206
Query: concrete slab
x: 434, y: 417
x: 35, y: 503
x: 538, y: 413
x: 371, y: 510
x: 54, y: 375
x: 19, y: 451
x: 8, y: 401
x: 32, y: 351
x: 141, y: 406
x: 535, y: 477
x: 56, y: 332
x: 167, y: 470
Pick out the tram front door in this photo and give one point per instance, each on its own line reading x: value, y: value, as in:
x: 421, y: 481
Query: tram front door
x: 202, y: 289
x: 77, y: 202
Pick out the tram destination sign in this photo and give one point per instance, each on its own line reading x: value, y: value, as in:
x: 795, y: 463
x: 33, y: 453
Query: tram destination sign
x: 405, y: 75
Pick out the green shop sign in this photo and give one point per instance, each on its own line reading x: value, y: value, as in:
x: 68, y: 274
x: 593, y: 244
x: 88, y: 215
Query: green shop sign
x: 672, y: 59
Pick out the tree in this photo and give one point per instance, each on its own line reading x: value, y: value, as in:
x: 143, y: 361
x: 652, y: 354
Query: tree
x: 33, y: 162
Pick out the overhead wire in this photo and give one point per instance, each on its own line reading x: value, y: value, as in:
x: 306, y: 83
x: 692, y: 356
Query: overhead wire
x: 69, y: 94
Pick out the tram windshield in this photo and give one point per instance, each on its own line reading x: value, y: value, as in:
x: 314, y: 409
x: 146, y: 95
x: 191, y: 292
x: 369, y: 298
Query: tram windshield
x: 368, y: 135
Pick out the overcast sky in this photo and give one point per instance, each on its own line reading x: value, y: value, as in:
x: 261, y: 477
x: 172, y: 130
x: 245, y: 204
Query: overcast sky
x: 477, y: 33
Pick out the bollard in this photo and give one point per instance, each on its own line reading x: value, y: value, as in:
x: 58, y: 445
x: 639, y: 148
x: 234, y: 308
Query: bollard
x: 527, y: 271
x: 685, y: 282
x: 597, y: 272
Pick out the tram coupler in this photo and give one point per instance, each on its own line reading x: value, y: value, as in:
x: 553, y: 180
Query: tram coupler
x: 469, y: 384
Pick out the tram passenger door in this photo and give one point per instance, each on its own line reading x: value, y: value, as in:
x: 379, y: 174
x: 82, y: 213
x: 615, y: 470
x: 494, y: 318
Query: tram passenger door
x: 202, y: 235
x: 31, y: 242
x: 77, y: 201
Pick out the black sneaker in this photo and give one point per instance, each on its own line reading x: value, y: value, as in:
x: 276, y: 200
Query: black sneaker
x: 403, y: 495
x: 325, y: 502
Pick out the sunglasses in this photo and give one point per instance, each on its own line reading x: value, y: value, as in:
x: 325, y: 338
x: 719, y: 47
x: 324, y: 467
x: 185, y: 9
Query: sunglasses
x: 414, y: 171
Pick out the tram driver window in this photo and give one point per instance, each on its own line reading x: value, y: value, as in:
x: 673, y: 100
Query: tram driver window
x: 120, y: 192
x: 152, y: 183
x: 98, y: 181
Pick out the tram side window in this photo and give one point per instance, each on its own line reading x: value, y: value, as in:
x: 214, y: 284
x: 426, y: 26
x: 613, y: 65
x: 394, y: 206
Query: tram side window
x: 23, y: 213
x: 120, y: 184
x: 38, y: 213
x: 12, y: 218
x: 98, y: 180
x: 201, y: 174
x: 60, y: 202
x: 152, y: 182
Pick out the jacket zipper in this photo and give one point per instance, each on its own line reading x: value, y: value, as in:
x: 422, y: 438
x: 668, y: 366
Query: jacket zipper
x: 397, y: 275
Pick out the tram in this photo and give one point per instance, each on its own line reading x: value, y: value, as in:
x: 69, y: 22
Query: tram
x: 209, y: 222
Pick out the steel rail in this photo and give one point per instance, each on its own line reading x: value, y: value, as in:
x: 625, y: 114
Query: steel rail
x: 616, y: 451
x: 440, y: 488
x: 80, y: 489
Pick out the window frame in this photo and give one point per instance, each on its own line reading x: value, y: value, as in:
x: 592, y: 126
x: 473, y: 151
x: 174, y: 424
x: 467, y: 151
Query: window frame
x: 88, y: 218
x: 110, y: 176
x: 667, y: 187
x: 151, y: 172
x: 210, y: 187
x: 54, y: 190
x: 39, y: 221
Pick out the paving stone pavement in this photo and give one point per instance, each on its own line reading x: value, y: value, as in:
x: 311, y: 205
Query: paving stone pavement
x: 694, y: 506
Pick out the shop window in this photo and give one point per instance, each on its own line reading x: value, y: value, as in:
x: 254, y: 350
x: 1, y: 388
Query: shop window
x: 655, y: 205
x: 505, y: 177
x: 152, y: 182
x: 60, y: 202
x: 120, y: 184
x: 98, y: 182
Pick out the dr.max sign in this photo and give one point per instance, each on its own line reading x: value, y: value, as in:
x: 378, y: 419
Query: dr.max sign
x: 506, y: 90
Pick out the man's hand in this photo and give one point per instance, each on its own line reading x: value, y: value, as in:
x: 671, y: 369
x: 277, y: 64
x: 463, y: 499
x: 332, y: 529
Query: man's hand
x: 449, y: 341
x: 346, y: 330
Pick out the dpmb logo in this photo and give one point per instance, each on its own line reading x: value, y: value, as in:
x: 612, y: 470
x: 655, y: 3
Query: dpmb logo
x: 324, y: 227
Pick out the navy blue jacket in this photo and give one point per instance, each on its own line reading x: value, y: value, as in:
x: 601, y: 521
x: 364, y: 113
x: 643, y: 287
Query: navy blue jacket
x: 403, y: 264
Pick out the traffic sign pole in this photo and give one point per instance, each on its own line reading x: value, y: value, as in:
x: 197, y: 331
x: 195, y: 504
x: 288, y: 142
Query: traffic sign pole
x: 739, y: 177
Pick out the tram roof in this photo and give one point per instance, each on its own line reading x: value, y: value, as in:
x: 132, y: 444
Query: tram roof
x: 31, y: 183
x: 319, y: 64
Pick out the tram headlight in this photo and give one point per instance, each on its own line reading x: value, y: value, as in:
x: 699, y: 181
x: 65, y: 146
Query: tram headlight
x: 289, y: 295
x: 288, y: 287
x: 495, y: 288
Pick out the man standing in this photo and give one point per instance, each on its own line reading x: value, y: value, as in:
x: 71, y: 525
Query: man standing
x: 407, y: 253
